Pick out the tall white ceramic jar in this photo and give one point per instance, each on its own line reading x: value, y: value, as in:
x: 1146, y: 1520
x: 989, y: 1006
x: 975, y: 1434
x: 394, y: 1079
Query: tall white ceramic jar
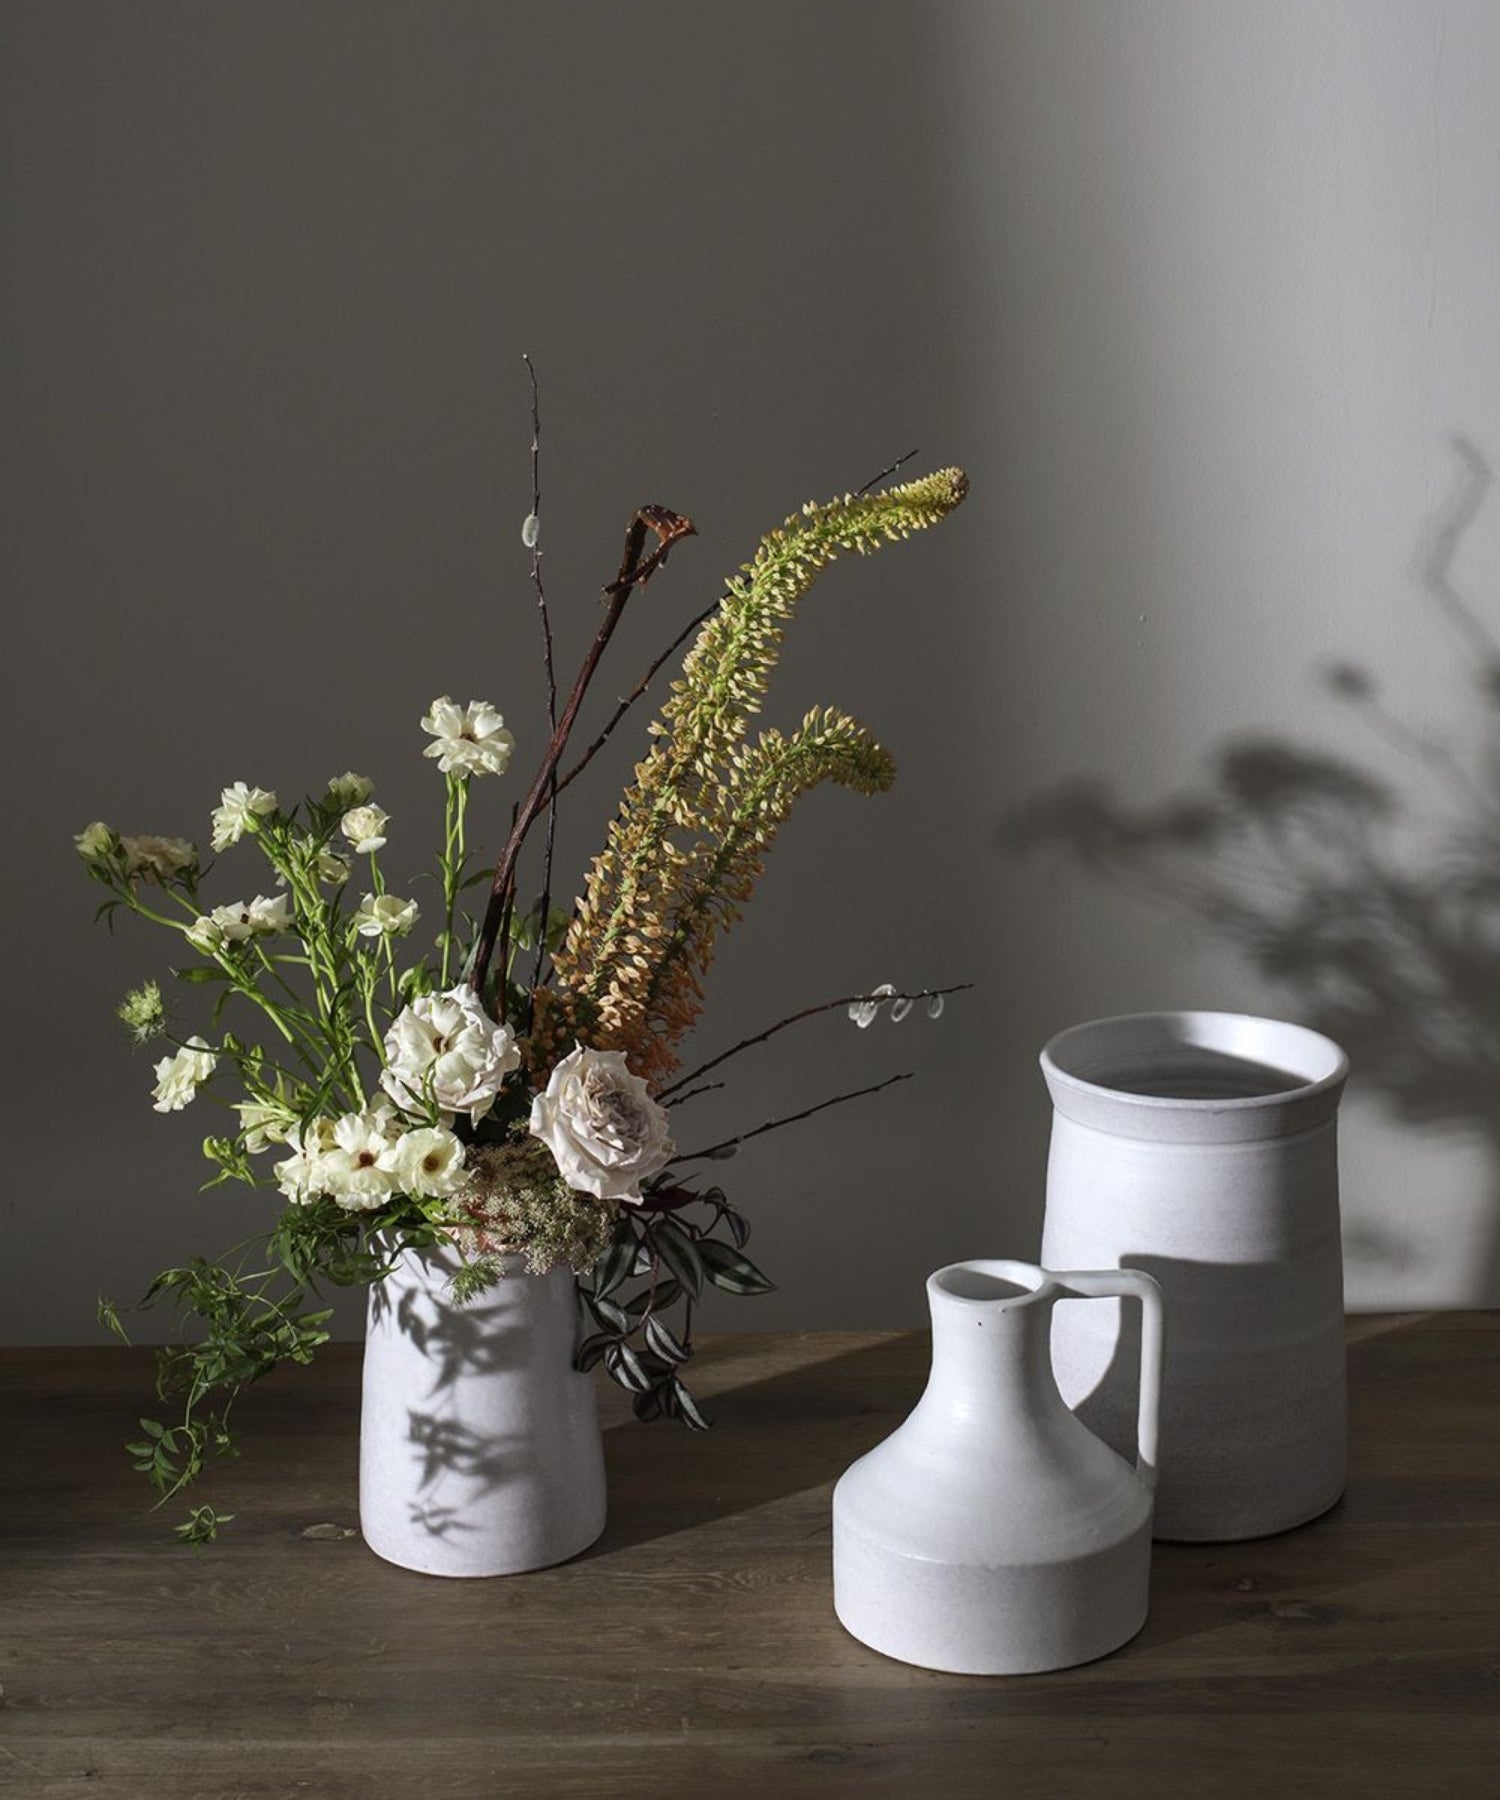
x: 479, y: 1447
x: 1201, y: 1148
x: 992, y: 1534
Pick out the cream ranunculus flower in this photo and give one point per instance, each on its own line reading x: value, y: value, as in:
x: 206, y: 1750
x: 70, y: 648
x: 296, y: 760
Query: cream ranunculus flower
x: 603, y: 1128
x: 385, y: 915
x: 364, y: 826
x: 265, y: 1122
x: 96, y: 842
x: 349, y: 789
x: 159, y: 858
x: 429, y: 1164
x: 242, y: 919
x: 239, y: 807
x: 300, y: 1176
x: 445, y: 1051
x: 470, y: 740
x: 359, y: 1168
x: 179, y: 1077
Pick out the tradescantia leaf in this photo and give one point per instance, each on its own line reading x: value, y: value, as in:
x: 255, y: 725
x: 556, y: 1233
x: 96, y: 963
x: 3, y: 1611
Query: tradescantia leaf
x: 680, y: 1253
x: 731, y: 1270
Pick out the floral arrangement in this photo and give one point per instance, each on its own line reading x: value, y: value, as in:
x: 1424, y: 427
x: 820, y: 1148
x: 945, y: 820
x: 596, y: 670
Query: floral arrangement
x: 507, y: 1085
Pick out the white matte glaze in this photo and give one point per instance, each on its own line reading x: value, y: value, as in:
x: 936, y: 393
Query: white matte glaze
x: 992, y: 1534
x: 479, y: 1449
x: 1202, y: 1149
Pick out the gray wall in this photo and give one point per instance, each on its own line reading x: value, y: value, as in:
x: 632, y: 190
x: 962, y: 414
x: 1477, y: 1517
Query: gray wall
x: 1198, y: 292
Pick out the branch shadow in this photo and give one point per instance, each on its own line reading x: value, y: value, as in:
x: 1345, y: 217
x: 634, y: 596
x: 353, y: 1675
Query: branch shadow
x: 1304, y: 862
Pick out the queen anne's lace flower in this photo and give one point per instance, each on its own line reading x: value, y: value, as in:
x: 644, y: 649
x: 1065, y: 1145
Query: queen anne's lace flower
x: 470, y: 740
x: 364, y: 826
x: 603, y: 1128
x: 384, y: 915
x: 239, y: 807
x: 179, y: 1077
x: 445, y: 1051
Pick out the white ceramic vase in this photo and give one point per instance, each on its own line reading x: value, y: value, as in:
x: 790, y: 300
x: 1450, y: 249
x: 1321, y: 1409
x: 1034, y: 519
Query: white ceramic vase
x: 992, y: 1534
x: 479, y: 1448
x: 1202, y: 1148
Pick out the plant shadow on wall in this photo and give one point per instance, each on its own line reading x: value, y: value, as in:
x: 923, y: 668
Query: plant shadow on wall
x: 1382, y: 916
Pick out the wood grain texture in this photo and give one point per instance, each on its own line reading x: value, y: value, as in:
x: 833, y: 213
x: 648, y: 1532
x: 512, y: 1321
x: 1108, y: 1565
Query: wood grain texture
x: 694, y: 1651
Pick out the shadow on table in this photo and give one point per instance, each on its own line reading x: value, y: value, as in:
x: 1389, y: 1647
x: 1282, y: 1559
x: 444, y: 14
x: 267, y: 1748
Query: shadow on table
x: 773, y: 1438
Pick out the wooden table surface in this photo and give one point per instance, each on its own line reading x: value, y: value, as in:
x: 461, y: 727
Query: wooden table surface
x: 694, y: 1650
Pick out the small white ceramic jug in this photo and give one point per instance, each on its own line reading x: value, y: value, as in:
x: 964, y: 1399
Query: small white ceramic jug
x: 992, y: 1533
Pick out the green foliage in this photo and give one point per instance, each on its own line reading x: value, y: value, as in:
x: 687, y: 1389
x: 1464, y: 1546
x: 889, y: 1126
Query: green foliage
x: 671, y: 1246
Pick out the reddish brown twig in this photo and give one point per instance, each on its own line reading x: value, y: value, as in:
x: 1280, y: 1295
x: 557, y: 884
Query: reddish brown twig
x: 635, y: 570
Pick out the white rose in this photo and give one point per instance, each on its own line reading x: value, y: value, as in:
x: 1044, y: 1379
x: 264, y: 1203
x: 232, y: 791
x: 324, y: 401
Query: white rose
x: 158, y: 858
x: 429, y: 1164
x: 603, y: 1128
x: 179, y: 1077
x: 471, y: 740
x: 359, y: 1169
x: 239, y: 807
x: 385, y: 915
x: 349, y: 789
x: 364, y: 826
x: 444, y: 1050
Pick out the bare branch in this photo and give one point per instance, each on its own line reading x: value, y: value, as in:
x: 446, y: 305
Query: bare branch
x: 541, y: 600
x: 730, y: 1145
x: 796, y: 1018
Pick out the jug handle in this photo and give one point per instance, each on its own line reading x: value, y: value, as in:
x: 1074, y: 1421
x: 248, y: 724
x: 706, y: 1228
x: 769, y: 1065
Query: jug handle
x: 1131, y: 1284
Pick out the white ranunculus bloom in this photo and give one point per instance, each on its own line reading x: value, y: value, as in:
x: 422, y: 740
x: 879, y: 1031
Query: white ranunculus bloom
x: 206, y: 934
x: 359, y: 1169
x: 469, y: 740
x: 242, y: 919
x: 159, y: 858
x: 445, y: 1051
x: 239, y: 806
x: 179, y: 1077
x: 95, y: 842
x: 265, y: 1122
x: 603, y: 1128
x: 300, y: 1176
x: 429, y: 1163
x: 364, y: 826
x: 385, y: 915
x: 349, y: 789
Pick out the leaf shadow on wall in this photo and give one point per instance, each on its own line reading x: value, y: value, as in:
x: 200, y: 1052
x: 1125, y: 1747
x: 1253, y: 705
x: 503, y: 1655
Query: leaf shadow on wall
x: 1305, y: 863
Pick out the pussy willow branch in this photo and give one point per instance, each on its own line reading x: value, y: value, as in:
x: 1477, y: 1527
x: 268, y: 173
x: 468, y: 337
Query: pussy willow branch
x: 635, y: 570
x: 541, y: 601
x: 744, y: 1137
x: 796, y: 1018
x: 890, y: 469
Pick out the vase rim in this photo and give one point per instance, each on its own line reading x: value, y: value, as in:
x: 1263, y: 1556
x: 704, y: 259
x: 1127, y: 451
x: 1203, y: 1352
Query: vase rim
x: 994, y: 1283
x: 1308, y: 1063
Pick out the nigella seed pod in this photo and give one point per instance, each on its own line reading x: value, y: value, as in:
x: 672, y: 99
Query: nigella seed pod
x: 531, y: 530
